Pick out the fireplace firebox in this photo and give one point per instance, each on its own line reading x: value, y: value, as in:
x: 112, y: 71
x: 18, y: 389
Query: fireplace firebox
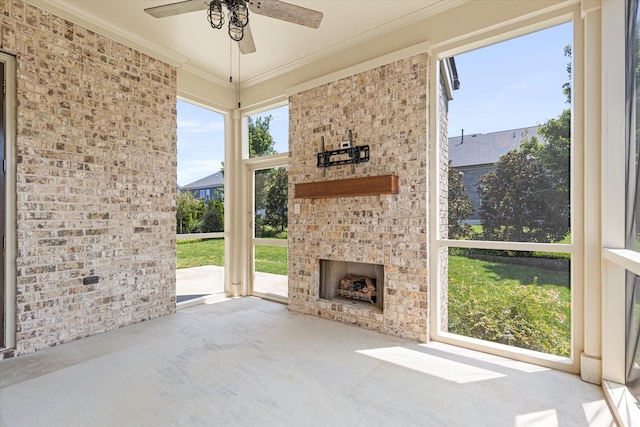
x: 352, y: 283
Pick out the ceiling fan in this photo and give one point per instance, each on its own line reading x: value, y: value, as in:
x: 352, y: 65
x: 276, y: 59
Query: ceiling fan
x: 237, y: 15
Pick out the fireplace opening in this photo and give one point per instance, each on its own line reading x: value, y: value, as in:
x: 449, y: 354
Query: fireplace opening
x: 352, y: 282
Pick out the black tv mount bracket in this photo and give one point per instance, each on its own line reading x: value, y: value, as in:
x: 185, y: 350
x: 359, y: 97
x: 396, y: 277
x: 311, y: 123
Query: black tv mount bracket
x: 356, y: 154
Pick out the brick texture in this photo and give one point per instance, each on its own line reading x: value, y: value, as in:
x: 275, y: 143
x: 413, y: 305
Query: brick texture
x: 96, y: 179
x: 387, y: 109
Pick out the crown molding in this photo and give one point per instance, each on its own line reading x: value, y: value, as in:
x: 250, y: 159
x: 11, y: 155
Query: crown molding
x: 390, y: 27
x: 207, y: 76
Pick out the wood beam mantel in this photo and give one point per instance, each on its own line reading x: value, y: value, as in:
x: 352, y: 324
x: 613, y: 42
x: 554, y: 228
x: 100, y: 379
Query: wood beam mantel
x: 348, y: 187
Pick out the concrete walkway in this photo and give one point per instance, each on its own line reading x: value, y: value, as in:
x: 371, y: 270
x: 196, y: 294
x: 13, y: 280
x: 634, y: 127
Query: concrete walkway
x: 207, y: 280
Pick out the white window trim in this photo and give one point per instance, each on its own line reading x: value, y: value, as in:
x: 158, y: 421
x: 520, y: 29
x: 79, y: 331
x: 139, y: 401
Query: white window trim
x: 250, y: 166
x: 10, y: 277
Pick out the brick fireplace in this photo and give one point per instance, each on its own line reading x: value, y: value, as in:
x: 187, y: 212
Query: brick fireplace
x: 386, y: 108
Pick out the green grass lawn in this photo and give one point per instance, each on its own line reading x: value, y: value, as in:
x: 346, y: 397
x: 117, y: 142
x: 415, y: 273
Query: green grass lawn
x: 269, y: 259
x: 197, y: 253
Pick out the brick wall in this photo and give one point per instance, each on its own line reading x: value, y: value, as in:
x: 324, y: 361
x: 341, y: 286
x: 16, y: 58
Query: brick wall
x: 96, y: 180
x: 387, y: 109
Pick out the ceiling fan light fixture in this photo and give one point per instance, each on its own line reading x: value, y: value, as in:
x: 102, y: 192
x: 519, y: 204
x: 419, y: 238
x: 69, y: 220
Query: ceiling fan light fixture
x: 235, y: 32
x: 215, y: 16
x: 239, y: 14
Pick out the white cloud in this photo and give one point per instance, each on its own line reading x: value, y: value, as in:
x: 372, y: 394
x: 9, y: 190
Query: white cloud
x: 196, y: 169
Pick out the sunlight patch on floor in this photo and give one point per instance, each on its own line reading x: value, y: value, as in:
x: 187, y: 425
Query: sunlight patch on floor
x: 486, y: 357
x: 431, y: 365
x: 548, y: 418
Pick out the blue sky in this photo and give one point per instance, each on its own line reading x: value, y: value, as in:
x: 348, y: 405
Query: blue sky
x: 201, y: 139
x: 511, y: 85
x: 505, y: 86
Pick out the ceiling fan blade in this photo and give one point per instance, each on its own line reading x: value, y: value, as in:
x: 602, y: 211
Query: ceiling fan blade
x: 247, y: 45
x: 177, y: 8
x: 286, y: 12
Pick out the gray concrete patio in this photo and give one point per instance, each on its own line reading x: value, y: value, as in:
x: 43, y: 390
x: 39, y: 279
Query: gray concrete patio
x: 199, y: 282
x: 251, y: 362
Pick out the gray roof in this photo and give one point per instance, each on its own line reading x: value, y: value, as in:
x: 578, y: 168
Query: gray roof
x: 486, y: 148
x: 215, y: 180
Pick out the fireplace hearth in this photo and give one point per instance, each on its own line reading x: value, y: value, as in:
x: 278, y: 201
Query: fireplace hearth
x: 352, y: 283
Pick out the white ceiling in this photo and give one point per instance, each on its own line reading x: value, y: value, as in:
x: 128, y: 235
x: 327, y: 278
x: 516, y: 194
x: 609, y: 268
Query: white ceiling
x: 188, y: 41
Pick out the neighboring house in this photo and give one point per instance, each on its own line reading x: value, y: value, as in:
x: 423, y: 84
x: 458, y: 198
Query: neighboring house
x: 476, y: 154
x: 205, y: 188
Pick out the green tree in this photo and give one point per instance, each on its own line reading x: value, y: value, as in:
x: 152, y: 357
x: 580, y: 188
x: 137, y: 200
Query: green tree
x: 260, y: 140
x: 188, y: 212
x: 460, y: 207
x: 515, y: 204
x: 555, y: 156
x: 276, y: 199
x: 213, y: 217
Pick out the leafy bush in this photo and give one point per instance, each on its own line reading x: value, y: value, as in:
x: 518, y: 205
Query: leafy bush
x: 495, y: 302
x: 267, y: 231
x: 459, y: 208
x: 522, y: 316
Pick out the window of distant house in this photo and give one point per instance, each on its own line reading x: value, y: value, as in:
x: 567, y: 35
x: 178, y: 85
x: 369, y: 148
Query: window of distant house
x: 507, y: 240
x: 205, y: 194
x: 269, y: 132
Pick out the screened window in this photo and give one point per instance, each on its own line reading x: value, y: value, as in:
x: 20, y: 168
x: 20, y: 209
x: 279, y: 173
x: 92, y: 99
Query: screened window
x: 506, y: 245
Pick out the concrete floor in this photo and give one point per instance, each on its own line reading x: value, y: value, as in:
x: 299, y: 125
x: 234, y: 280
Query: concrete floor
x: 251, y: 362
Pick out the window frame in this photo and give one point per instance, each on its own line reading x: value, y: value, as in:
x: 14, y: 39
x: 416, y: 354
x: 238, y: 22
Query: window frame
x: 575, y: 248
x: 10, y: 217
x: 250, y: 165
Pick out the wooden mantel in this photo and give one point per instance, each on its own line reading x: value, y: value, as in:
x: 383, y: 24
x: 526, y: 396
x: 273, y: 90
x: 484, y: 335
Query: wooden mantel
x: 348, y: 187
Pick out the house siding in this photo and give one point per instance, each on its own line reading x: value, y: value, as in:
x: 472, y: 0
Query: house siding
x: 96, y: 180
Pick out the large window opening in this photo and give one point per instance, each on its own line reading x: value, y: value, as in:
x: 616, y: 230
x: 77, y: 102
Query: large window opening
x: 506, y: 247
x: 270, y: 253
x: 268, y: 144
x: 199, y: 202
